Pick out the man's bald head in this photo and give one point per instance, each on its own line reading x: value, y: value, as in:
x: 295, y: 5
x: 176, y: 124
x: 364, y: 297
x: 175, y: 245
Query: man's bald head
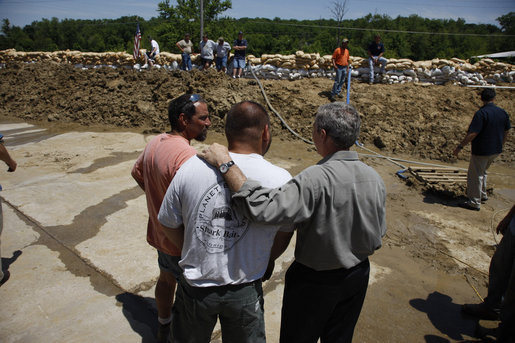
x: 245, y: 122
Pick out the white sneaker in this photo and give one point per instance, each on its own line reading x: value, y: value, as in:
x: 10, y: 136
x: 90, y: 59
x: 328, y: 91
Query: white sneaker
x: 145, y: 66
x: 233, y: 77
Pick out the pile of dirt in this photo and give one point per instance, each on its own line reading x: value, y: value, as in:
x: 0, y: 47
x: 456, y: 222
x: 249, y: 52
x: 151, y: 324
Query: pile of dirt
x: 409, y: 119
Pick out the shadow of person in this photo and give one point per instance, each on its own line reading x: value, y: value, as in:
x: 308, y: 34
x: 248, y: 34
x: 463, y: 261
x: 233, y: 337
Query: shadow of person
x: 6, y: 262
x: 141, y: 314
x: 324, y: 94
x: 445, y: 316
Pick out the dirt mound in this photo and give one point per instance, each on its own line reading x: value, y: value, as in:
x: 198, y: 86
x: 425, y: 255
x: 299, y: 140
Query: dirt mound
x: 409, y: 119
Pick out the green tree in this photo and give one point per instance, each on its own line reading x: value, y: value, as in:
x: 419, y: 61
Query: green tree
x: 507, y: 23
x: 190, y: 9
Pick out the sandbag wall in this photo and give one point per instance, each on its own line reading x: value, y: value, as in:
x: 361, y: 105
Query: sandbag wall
x: 299, y: 65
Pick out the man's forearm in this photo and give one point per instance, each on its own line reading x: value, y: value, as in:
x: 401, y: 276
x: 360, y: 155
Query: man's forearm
x: 175, y: 236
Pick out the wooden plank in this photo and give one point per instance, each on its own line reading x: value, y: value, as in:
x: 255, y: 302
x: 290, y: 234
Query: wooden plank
x: 438, y: 175
x: 445, y: 176
x: 442, y: 174
x: 433, y: 168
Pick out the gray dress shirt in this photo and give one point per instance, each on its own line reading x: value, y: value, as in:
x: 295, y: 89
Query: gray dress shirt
x: 338, y: 207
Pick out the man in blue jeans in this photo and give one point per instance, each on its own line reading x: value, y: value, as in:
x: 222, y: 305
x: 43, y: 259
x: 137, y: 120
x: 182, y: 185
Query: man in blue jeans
x: 375, y: 53
x: 186, y: 47
x: 341, y: 61
x: 240, y: 47
x: 223, y: 50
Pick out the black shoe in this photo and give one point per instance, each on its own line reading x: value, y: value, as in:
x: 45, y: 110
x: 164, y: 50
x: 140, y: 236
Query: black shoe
x: 469, y: 206
x: 481, y: 311
x: 163, y: 332
x: 332, y: 98
x: 340, y: 95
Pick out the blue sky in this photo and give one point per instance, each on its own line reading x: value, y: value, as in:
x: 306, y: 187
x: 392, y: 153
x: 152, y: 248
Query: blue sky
x: 23, y: 12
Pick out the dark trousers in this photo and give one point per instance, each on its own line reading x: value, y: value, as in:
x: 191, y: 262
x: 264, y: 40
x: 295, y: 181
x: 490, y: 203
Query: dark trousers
x: 322, y: 304
x: 502, y: 284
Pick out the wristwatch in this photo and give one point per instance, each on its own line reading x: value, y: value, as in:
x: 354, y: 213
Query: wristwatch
x: 224, y: 167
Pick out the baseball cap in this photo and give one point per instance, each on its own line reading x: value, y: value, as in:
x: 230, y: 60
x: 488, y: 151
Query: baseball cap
x: 240, y: 33
x: 345, y: 40
x: 221, y: 38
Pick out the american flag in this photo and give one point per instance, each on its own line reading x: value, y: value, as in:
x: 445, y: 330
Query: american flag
x: 137, y: 39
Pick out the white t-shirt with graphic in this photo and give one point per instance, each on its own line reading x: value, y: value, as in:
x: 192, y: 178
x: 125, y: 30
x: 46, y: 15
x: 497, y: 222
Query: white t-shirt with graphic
x: 220, y: 246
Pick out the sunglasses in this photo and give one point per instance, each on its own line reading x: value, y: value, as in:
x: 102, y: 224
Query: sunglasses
x: 194, y: 98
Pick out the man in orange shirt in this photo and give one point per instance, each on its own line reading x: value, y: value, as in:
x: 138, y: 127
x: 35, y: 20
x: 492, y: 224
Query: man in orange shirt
x: 153, y: 171
x: 341, y: 61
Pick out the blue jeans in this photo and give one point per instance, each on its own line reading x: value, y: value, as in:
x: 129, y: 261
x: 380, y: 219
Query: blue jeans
x: 339, y: 80
x: 239, y: 63
x: 239, y: 308
x: 221, y: 62
x: 186, y: 61
x: 381, y: 61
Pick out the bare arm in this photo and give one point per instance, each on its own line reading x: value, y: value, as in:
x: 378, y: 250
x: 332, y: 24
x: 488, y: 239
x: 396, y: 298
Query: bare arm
x: 217, y: 154
x: 4, y: 156
x: 468, y: 138
x: 281, y: 242
x: 175, y: 235
x: 180, y: 47
x: 137, y: 174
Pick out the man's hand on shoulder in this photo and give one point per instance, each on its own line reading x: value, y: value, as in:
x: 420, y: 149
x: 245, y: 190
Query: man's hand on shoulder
x: 215, y: 154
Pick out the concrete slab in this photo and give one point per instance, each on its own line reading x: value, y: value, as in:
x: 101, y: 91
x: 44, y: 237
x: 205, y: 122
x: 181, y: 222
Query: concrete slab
x: 75, y: 221
x: 81, y: 270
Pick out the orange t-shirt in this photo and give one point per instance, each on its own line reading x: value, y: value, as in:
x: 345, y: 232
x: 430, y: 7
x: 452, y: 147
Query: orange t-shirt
x: 340, y: 58
x: 155, y: 169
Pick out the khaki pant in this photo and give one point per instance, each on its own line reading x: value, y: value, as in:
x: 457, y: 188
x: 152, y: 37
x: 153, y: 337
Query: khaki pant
x: 476, y: 178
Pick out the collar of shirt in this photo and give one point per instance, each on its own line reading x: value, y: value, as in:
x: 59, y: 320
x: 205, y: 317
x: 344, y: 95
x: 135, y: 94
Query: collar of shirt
x: 344, y: 155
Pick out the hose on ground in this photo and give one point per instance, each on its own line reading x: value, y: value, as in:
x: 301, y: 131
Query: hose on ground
x: 273, y: 109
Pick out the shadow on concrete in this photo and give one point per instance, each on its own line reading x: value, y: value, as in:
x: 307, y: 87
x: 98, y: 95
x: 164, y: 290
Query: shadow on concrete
x: 141, y: 314
x: 445, y: 316
x: 6, y: 262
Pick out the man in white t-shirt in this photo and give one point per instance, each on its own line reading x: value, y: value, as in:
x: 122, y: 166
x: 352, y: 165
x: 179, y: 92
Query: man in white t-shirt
x: 224, y: 256
x: 207, y: 52
x: 152, y: 54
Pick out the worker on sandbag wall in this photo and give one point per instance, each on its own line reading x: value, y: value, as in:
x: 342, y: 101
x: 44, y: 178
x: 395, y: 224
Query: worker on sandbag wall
x: 341, y: 63
x: 375, y: 53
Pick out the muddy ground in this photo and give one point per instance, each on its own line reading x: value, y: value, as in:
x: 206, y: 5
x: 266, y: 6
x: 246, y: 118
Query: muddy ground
x: 412, y: 122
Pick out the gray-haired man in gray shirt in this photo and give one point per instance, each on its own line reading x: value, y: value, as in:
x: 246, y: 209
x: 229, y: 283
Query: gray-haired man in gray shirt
x: 338, y: 208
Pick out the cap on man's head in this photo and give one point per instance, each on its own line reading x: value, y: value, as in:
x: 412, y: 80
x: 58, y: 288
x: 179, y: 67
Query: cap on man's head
x: 240, y: 33
x: 345, y: 40
x: 221, y: 39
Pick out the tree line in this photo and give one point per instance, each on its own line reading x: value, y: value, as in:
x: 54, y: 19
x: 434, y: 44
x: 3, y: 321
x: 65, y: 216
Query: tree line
x: 410, y: 37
